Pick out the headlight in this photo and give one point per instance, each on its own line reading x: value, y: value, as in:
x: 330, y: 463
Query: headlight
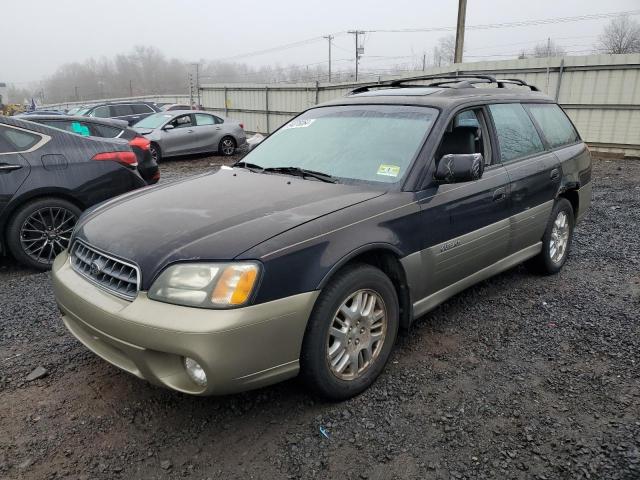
x: 206, y: 285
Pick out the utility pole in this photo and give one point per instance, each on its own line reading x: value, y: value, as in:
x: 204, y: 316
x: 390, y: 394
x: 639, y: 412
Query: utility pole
x: 329, y: 38
x: 76, y: 90
x: 130, y: 88
x: 462, y: 13
x: 548, y: 47
x: 424, y: 62
x: 359, y: 50
x: 190, y: 79
x: 197, y: 81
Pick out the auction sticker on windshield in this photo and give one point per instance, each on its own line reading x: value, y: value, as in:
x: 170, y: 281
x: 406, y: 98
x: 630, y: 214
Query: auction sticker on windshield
x: 388, y: 170
x: 299, y: 123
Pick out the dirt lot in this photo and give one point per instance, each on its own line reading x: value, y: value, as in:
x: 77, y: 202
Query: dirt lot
x: 519, y: 377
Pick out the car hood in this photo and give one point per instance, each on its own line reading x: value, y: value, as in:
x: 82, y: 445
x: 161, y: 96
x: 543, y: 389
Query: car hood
x: 216, y: 216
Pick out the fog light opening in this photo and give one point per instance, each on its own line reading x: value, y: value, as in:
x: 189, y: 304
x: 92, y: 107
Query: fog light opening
x: 195, y: 371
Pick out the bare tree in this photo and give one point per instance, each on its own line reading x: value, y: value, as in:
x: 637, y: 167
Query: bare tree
x: 621, y: 35
x: 444, y: 51
x: 548, y: 49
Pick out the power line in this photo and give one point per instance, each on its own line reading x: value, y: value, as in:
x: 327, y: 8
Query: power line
x: 523, y: 23
x: 274, y: 49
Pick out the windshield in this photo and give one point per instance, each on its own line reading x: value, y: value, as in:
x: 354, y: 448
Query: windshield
x: 83, y: 111
x: 372, y: 143
x: 154, y: 121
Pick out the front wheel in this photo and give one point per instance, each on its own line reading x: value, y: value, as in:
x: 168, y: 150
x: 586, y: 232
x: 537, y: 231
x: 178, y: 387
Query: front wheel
x: 556, y: 240
x: 227, y: 146
x: 40, y: 230
x: 351, y: 333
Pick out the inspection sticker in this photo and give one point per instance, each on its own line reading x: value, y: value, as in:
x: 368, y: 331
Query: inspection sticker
x: 388, y: 170
x: 299, y: 123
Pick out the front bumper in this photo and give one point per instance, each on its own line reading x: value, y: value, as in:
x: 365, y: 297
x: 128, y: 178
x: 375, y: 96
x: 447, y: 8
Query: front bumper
x: 239, y: 349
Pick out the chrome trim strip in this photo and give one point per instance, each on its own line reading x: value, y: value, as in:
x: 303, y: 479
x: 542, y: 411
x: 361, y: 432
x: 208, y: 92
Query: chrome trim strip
x: 110, y: 257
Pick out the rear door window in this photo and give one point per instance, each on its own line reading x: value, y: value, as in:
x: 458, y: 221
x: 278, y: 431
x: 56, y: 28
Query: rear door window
x: 122, y: 110
x: 203, y: 119
x: 139, y: 108
x: 555, y: 125
x: 517, y: 136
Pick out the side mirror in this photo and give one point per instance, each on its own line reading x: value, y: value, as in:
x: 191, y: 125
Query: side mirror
x: 456, y: 168
x: 168, y: 126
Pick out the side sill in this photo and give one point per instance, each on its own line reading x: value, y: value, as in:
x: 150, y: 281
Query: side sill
x: 429, y: 303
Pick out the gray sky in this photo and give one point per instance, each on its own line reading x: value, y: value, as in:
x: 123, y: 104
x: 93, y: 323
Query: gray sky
x: 40, y: 35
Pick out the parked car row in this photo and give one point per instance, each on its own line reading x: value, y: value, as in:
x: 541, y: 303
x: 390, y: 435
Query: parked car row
x: 48, y: 176
x: 55, y: 165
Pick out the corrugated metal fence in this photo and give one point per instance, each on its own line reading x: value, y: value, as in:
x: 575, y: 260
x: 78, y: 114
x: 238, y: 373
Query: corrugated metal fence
x: 601, y: 93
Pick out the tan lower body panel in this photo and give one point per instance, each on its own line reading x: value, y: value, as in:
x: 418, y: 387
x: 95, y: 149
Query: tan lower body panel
x: 428, y: 303
x: 584, y: 200
x: 239, y: 349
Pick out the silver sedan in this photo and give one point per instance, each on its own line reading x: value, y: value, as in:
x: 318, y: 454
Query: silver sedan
x: 182, y: 132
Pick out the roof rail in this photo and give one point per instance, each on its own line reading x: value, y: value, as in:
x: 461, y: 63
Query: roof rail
x: 448, y: 80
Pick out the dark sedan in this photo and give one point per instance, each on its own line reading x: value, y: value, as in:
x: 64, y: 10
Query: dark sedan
x: 47, y: 178
x: 107, y: 128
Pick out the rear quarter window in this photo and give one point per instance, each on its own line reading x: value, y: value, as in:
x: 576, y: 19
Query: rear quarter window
x: 101, y: 112
x: 105, y: 131
x: 555, y: 125
x: 13, y: 140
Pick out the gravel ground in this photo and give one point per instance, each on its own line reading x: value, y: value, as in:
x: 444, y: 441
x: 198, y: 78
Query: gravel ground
x: 518, y: 377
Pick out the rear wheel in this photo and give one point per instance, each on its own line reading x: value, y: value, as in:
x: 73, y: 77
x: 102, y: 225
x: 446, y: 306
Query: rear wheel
x: 556, y: 240
x: 156, y: 155
x: 40, y: 230
x: 351, y: 333
x: 227, y: 146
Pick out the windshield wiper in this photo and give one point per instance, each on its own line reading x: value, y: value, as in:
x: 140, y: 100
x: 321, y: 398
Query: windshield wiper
x: 302, y: 172
x: 249, y: 166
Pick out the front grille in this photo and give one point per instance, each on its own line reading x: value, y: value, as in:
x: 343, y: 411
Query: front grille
x: 117, y: 277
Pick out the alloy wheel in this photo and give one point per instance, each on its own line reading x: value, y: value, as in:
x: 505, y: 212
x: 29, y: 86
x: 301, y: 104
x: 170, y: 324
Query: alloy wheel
x: 559, y: 238
x: 228, y: 147
x: 46, y: 232
x: 356, y: 334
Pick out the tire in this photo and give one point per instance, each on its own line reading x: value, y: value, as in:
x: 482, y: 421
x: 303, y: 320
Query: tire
x: 40, y: 230
x: 156, y: 154
x: 556, y: 240
x: 319, y: 348
x: 227, y: 146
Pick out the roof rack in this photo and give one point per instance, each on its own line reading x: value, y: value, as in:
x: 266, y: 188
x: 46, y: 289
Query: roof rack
x: 447, y: 80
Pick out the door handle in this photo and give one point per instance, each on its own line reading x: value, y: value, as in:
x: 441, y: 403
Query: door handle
x: 555, y: 174
x: 218, y: 128
x: 7, y: 167
x: 189, y: 131
x: 499, y: 194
